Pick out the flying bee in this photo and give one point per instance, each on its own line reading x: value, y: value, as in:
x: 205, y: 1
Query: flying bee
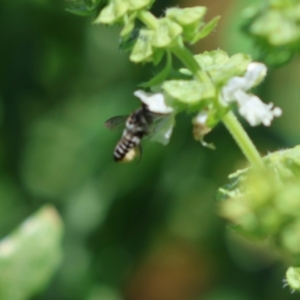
x: 139, y: 124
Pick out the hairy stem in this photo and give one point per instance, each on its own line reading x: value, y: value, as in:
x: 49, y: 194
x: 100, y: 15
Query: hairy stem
x: 242, y: 139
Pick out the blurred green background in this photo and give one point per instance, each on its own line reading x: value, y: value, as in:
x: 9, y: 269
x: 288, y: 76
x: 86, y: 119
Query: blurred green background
x: 146, y: 231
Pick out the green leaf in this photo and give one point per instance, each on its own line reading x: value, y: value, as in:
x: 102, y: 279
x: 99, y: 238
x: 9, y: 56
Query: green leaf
x: 186, y: 16
x: 293, y: 278
x: 84, y: 7
x: 220, y: 67
x: 138, y: 4
x: 206, y: 29
x: 30, y: 255
x: 112, y: 12
x: 81, y: 11
x: 236, y: 66
x: 185, y: 72
x: 188, y: 91
x: 166, y: 33
x: 127, y: 42
x: 190, y: 19
x: 211, y: 59
x: 286, y: 162
x: 157, y: 56
x: 127, y: 29
x: 129, y: 23
x: 142, y: 49
x: 276, y: 27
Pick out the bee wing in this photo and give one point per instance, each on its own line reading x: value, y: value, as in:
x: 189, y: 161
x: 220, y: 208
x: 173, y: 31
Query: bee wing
x: 116, y: 122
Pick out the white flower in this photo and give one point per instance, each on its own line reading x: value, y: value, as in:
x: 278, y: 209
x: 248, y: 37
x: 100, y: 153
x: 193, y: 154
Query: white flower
x: 201, y: 118
x: 250, y: 106
x: 155, y: 102
x: 255, y: 111
x: 165, y: 116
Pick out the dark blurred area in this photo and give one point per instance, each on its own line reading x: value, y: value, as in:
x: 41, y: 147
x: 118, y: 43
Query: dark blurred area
x: 146, y: 231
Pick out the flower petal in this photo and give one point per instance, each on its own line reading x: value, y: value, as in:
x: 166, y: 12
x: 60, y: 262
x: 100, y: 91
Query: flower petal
x: 254, y: 74
x: 233, y: 85
x: 255, y: 111
x: 155, y: 102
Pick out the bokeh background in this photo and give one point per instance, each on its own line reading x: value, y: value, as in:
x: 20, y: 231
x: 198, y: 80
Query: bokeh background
x: 146, y: 231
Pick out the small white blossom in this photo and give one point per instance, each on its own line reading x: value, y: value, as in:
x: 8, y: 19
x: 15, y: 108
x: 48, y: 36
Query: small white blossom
x: 254, y: 110
x: 155, y: 102
x: 254, y: 74
x: 201, y: 118
x: 250, y: 106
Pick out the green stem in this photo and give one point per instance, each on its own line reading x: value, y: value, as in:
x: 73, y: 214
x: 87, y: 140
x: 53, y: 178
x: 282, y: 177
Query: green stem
x: 242, y: 139
x: 189, y: 61
x: 148, y: 19
x: 187, y: 58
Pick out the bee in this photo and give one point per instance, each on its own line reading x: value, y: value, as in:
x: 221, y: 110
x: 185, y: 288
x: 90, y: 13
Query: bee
x: 141, y: 123
x: 137, y: 126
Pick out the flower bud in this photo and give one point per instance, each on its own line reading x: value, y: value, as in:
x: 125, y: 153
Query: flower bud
x: 293, y: 278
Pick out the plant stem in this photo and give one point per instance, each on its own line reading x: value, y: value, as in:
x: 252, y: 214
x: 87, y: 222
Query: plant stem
x: 148, y: 19
x: 230, y: 121
x: 189, y: 61
x: 187, y: 58
x: 242, y: 139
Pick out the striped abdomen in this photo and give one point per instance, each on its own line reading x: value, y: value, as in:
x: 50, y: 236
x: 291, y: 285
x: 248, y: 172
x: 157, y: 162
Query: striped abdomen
x: 128, y: 143
x: 136, y: 127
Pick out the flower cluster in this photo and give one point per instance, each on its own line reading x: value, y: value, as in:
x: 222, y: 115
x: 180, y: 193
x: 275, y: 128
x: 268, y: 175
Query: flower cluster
x: 156, y: 35
x: 189, y: 92
x: 264, y: 203
x: 275, y: 27
x: 231, y: 79
x: 250, y: 106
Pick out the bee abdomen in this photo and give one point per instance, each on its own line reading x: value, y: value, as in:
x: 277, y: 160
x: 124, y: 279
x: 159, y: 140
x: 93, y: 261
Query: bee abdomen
x: 126, y: 144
